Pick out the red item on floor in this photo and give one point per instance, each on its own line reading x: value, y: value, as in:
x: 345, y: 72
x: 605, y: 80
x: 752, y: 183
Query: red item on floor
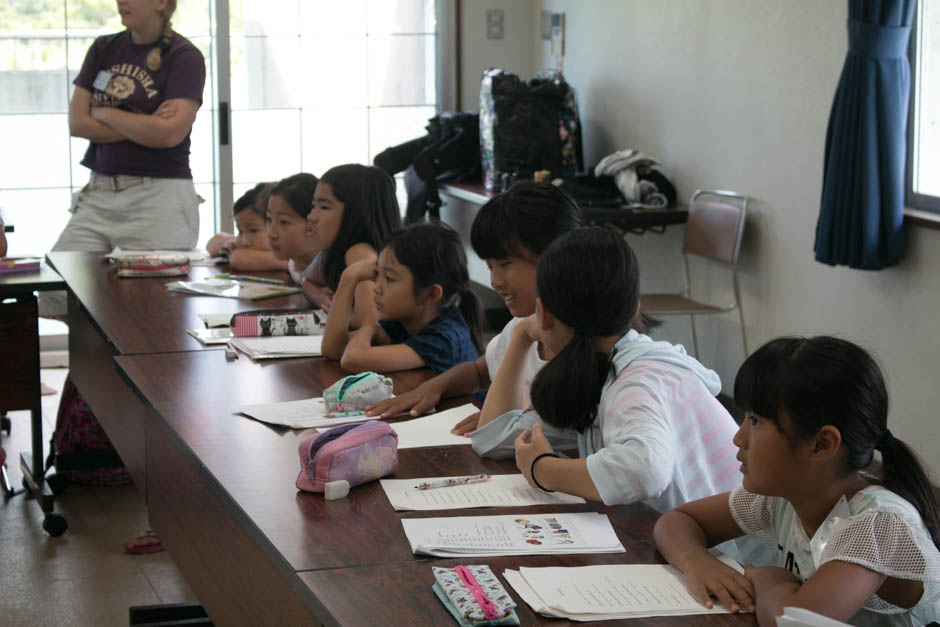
x: 147, y: 542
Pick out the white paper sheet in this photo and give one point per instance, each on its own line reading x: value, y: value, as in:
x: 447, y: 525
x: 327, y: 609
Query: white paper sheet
x: 499, y: 491
x: 433, y: 430
x: 209, y: 337
x: 279, y: 346
x: 512, y: 534
x: 607, y: 592
x: 800, y: 617
x: 227, y: 288
x: 303, y: 414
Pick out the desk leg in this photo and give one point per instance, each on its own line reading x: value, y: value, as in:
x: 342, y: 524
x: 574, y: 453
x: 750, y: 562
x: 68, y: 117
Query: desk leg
x: 21, y: 332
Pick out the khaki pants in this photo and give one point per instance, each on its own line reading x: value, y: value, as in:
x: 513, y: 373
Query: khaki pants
x: 132, y: 212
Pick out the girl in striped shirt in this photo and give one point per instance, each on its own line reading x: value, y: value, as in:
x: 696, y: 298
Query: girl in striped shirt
x: 642, y: 414
x: 857, y: 536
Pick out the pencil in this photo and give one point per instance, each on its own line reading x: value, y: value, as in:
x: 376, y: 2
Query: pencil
x: 451, y: 481
x: 245, y: 277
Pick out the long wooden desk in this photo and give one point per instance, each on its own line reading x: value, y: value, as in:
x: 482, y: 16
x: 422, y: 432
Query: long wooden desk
x: 110, y: 316
x: 220, y: 487
x: 257, y: 551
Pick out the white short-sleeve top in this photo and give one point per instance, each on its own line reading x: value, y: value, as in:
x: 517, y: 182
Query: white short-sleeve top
x: 882, y: 532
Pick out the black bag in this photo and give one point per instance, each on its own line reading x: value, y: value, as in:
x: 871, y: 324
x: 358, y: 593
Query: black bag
x: 450, y: 151
x: 525, y: 127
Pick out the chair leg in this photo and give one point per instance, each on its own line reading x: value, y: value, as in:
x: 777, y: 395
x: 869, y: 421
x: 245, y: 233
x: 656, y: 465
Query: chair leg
x: 743, y: 332
x: 694, y: 335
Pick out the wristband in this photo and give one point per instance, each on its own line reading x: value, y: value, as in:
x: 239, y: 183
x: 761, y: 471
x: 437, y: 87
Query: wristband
x: 532, y: 470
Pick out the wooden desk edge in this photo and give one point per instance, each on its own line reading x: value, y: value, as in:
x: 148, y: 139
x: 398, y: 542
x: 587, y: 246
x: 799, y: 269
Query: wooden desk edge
x: 251, y: 578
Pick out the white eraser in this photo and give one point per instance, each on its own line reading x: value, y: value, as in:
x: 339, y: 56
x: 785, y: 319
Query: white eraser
x: 335, y: 489
x: 230, y: 354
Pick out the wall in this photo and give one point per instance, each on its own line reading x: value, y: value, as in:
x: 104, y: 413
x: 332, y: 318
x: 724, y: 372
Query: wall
x: 514, y: 52
x: 736, y: 95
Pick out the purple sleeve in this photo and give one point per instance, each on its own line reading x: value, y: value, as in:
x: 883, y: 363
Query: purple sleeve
x: 187, y: 77
x: 86, y: 76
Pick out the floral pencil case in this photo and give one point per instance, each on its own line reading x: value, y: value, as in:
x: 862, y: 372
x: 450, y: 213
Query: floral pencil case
x: 152, y: 265
x: 355, y: 453
x: 356, y: 391
x: 474, y: 596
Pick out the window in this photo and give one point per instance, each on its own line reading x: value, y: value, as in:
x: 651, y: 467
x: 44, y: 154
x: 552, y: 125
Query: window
x: 42, y: 46
x: 923, y: 190
x: 311, y: 84
x: 318, y: 84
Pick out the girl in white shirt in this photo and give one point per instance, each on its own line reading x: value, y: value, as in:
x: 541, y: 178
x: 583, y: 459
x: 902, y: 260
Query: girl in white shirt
x: 857, y: 541
x: 642, y: 414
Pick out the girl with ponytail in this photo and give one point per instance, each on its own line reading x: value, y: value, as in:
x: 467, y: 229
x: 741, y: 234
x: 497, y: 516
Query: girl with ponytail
x: 427, y: 315
x: 848, y: 505
x: 642, y: 414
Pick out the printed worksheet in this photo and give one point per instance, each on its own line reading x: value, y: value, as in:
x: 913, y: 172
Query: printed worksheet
x: 498, y: 491
x: 608, y: 592
x: 512, y: 534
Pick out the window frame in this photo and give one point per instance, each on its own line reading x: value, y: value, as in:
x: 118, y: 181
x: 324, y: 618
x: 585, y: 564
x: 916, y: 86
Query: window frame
x: 921, y: 208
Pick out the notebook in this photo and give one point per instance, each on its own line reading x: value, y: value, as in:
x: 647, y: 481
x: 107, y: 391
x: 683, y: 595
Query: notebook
x: 19, y: 265
x: 279, y: 346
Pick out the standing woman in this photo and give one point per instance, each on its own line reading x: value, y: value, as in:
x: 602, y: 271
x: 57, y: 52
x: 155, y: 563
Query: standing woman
x: 135, y: 100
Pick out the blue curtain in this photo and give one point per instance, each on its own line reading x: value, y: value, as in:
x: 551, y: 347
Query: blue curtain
x: 861, y: 217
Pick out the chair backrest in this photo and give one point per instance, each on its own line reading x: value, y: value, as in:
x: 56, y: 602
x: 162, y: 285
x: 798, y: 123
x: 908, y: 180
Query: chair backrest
x: 715, y: 225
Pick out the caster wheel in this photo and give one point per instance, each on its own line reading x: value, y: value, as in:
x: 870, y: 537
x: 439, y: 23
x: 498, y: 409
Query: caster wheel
x: 54, y: 524
x: 56, y: 483
x: 25, y: 484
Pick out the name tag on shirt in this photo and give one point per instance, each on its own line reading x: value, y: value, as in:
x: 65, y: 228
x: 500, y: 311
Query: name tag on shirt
x: 102, y: 80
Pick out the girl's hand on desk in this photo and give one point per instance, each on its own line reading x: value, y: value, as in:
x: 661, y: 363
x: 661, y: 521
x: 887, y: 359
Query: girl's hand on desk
x: 466, y: 426
x: 318, y: 296
x: 706, y: 577
x: 529, y: 445
x: 418, y: 401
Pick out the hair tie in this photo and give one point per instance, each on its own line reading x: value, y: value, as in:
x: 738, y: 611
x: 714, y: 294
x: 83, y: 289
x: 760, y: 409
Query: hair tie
x: 585, y: 333
x: 886, y: 439
x: 532, y: 470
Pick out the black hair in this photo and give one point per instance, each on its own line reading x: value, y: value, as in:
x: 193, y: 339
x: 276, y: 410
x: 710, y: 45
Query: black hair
x: 297, y: 191
x: 255, y: 199
x: 823, y: 381
x: 433, y: 253
x: 589, y: 280
x: 370, y: 212
x: 528, y: 216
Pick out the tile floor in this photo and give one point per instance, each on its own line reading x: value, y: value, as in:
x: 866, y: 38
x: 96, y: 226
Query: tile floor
x: 84, y: 577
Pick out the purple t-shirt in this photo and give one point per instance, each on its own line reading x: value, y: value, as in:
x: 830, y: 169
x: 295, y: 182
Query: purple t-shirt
x: 134, y: 87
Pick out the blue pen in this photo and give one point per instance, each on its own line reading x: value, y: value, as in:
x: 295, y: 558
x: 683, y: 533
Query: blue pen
x: 245, y: 277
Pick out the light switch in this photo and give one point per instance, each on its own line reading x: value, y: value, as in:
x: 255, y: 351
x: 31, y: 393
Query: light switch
x: 495, y: 23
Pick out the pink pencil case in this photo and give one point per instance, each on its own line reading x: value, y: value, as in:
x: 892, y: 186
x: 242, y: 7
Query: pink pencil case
x: 357, y: 453
x: 152, y: 265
